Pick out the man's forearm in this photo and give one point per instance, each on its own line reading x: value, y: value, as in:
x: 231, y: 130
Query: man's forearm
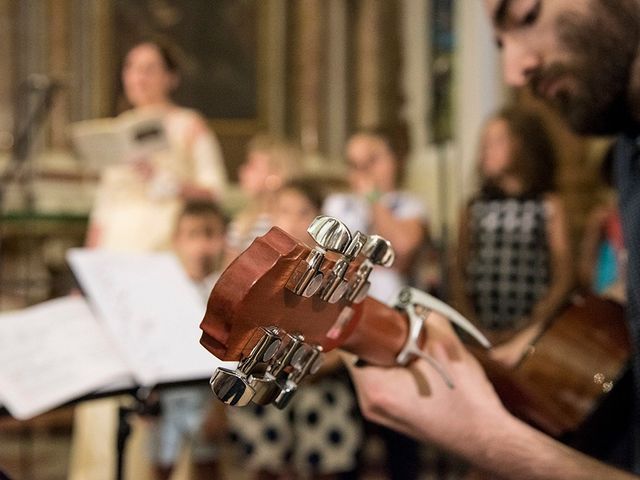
x: 514, y: 450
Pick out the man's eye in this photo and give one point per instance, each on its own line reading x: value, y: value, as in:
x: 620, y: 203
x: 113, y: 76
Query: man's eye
x: 499, y: 43
x: 532, y: 15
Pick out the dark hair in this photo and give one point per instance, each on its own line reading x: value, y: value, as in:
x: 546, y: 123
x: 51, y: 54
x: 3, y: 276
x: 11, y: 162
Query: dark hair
x: 168, y: 56
x: 312, y: 188
x: 166, y: 51
x: 396, y: 138
x: 533, y: 156
x: 201, y: 208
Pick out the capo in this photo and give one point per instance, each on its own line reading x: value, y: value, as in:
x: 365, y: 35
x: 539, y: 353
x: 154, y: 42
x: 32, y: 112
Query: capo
x: 407, y: 300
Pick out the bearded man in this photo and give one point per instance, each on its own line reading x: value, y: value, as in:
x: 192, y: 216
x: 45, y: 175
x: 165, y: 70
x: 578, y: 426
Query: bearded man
x: 582, y: 58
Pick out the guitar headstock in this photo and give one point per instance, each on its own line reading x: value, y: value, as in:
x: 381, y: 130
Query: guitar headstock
x: 280, y: 304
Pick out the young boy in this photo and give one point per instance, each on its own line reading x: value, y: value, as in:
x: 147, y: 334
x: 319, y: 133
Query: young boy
x: 198, y: 241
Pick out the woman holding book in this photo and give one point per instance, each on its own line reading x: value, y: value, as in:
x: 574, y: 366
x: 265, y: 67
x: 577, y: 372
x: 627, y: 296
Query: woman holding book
x: 139, y: 197
x: 137, y: 204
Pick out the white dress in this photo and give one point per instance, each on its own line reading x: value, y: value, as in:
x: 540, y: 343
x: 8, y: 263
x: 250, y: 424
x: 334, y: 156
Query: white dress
x: 135, y: 214
x: 355, y: 212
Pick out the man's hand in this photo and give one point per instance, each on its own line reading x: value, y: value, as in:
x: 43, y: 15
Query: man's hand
x: 416, y: 401
x: 468, y: 420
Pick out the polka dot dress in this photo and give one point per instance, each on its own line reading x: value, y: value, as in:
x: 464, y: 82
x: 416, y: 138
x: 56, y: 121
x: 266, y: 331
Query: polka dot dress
x: 509, y: 266
x: 320, y: 432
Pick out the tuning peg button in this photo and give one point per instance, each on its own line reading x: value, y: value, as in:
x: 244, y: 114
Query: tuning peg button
x: 336, y: 286
x: 286, y: 394
x: 330, y: 233
x: 379, y: 251
x: 231, y: 387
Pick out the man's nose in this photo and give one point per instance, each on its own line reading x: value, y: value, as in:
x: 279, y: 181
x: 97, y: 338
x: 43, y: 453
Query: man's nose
x: 518, y: 63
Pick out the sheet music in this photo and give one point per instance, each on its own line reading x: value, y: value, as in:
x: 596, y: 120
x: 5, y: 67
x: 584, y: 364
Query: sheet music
x: 52, y: 353
x: 151, y: 310
x: 106, y: 141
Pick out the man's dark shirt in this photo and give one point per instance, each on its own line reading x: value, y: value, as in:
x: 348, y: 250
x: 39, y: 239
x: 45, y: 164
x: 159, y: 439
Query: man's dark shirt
x: 627, y: 178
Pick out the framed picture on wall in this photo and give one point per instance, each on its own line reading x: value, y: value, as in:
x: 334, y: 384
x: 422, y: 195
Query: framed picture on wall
x: 216, y: 45
x: 220, y: 48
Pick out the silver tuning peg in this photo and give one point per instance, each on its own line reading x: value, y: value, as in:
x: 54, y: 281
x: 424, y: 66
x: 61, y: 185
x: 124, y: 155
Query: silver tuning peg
x: 329, y: 234
x: 336, y: 286
x: 377, y: 251
x: 235, y: 387
x: 305, y: 361
x: 232, y: 387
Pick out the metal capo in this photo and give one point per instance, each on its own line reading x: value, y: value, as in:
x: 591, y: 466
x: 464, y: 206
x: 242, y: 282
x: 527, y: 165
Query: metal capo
x: 406, y: 300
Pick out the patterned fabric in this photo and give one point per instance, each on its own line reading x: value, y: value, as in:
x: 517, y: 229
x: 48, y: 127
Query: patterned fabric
x: 509, y: 268
x: 320, y: 432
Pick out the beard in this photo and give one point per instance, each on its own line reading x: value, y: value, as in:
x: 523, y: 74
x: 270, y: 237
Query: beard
x: 603, y: 46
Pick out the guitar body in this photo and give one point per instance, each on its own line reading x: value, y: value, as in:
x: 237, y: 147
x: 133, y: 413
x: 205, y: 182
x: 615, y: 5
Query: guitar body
x: 575, y: 362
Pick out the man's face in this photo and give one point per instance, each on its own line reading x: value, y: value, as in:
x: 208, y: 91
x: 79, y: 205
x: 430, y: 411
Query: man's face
x: 576, y: 55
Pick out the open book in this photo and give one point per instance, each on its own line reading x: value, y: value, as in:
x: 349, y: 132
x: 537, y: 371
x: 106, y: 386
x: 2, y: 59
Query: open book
x: 140, y: 327
x: 133, y: 134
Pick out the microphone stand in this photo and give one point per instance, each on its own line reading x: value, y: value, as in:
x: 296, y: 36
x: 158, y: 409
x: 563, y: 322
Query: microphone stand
x: 24, y: 138
x: 22, y: 145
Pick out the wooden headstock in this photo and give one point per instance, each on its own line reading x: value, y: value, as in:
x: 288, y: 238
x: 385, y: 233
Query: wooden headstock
x: 281, y: 298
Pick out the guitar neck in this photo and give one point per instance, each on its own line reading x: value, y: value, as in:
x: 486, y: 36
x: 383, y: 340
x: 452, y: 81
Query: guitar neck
x: 379, y: 335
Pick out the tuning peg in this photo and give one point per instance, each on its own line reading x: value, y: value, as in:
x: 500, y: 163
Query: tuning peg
x: 330, y: 233
x: 379, y: 251
x: 274, y: 380
x: 358, y: 242
x: 306, y: 360
x: 286, y: 394
x: 336, y: 286
x: 231, y: 387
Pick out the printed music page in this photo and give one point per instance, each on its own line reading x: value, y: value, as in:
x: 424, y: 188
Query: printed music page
x: 52, y: 353
x: 106, y: 141
x: 151, y: 310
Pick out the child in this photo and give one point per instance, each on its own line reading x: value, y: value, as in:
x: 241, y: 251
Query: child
x: 319, y: 433
x: 376, y: 205
x: 198, y: 241
x: 269, y: 164
x: 375, y: 159
x: 514, y: 265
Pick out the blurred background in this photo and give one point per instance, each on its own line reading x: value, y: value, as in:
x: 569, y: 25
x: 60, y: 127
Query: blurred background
x: 312, y: 71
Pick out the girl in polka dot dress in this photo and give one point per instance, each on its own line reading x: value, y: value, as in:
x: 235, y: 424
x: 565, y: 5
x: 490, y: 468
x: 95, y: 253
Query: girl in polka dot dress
x: 513, y: 268
x: 319, y: 434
